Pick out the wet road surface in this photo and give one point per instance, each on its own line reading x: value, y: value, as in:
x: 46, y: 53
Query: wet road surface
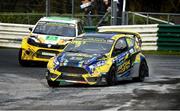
x: 26, y: 88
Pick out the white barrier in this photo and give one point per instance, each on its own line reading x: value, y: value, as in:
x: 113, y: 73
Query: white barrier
x: 147, y: 32
x: 11, y: 34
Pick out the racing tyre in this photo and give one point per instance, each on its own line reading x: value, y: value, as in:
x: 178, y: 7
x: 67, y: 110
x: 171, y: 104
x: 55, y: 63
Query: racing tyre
x: 111, y: 78
x: 52, y: 83
x: 143, y: 71
x: 22, y: 62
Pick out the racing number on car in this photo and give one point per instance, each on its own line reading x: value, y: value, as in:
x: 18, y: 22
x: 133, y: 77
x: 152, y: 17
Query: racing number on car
x: 51, y: 38
x: 123, y: 67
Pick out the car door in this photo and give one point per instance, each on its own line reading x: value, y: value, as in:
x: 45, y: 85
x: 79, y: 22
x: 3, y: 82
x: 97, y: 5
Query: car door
x: 131, y: 48
x: 122, y: 57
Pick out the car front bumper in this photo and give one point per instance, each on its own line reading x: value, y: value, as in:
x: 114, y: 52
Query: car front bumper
x: 91, y: 79
x: 35, y: 53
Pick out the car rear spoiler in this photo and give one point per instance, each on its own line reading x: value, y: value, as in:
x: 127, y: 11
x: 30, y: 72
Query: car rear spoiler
x: 135, y: 34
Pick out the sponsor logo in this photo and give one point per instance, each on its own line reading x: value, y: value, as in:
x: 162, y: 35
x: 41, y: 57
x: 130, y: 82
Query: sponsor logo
x: 122, y: 68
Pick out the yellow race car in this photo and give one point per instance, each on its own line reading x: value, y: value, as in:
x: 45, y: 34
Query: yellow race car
x: 48, y: 38
x: 96, y: 58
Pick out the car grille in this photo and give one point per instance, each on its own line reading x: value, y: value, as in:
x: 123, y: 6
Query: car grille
x: 39, y: 53
x: 46, y: 45
x: 73, y: 78
x: 72, y: 70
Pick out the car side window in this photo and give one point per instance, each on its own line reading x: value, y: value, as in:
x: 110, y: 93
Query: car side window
x: 120, y: 46
x: 130, y: 42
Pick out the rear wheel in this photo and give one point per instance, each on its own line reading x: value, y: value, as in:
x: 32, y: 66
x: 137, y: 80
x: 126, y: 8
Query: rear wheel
x: 22, y: 62
x: 111, y: 78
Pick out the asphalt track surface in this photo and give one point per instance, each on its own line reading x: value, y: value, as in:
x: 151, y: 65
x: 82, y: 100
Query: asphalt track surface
x: 25, y: 88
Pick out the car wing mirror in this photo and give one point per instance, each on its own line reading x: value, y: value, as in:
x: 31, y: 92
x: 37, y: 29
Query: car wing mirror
x: 30, y: 29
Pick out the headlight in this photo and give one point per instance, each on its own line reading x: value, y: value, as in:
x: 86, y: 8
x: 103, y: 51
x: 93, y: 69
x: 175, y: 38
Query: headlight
x: 56, y: 62
x: 33, y: 40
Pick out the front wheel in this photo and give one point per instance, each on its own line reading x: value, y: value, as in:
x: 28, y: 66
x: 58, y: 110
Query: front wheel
x: 52, y: 83
x: 22, y: 62
x: 143, y: 71
x: 111, y: 78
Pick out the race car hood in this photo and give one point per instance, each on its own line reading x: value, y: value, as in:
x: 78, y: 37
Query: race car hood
x: 79, y: 59
x: 51, y: 39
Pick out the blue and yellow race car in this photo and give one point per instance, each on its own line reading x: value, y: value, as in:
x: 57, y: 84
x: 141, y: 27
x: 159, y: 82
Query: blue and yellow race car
x: 96, y: 58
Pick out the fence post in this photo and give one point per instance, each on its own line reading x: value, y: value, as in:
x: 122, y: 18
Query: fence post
x: 28, y: 19
x: 47, y: 8
x: 123, y: 13
x: 72, y: 8
x: 168, y: 18
x: 133, y: 18
x: 127, y: 18
x: 147, y: 22
x: 114, y: 12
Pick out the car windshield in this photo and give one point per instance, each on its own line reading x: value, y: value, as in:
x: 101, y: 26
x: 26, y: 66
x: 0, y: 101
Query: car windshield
x: 55, y: 28
x: 92, y: 45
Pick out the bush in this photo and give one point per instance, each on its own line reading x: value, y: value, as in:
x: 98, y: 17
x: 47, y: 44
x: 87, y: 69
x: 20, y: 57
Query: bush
x: 20, y: 18
x: 32, y: 18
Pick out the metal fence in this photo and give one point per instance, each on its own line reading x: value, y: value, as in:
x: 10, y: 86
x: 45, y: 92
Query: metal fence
x: 32, y: 18
x: 131, y: 18
x: 151, y: 18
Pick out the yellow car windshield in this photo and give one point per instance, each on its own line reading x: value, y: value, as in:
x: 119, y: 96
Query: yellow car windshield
x: 55, y: 28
